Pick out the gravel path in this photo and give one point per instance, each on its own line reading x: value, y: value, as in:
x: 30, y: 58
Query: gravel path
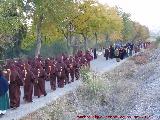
x: 147, y: 102
x: 100, y: 65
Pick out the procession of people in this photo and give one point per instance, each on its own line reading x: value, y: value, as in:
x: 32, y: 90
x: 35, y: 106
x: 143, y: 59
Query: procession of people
x: 32, y: 73
x: 121, y: 52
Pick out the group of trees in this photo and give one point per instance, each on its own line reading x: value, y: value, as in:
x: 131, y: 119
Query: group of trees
x: 30, y: 23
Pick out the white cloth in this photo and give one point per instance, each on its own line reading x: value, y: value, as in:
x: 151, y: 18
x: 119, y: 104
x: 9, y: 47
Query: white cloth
x: 99, y: 53
x: 2, y: 111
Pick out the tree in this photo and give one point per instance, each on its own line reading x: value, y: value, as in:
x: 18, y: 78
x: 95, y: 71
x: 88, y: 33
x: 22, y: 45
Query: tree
x: 128, y: 26
x: 11, y: 21
x: 51, y: 22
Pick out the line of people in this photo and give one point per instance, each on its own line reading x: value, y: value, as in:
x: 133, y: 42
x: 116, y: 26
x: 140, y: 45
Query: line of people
x: 121, y: 52
x: 32, y: 74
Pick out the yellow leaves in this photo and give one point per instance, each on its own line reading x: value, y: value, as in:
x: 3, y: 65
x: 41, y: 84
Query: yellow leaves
x: 28, y: 42
x: 50, y: 30
x: 140, y: 32
x: 116, y: 36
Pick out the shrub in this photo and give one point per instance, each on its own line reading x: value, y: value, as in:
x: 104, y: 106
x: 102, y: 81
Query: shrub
x: 94, y: 82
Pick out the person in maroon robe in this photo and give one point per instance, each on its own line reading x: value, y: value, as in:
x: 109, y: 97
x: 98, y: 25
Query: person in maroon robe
x: 19, y: 67
x: 60, y: 73
x: 72, y: 67
x: 77, y: 67
x: 48, y: 63
x: 29, y: 80
x: 64, y: 56
x: 89, y: 58
x: 83, y: 61
x: 80, y: 53
x: 39, y: 86
x: 52, y: 75
x: 67, y: 62
x: 14, y: 87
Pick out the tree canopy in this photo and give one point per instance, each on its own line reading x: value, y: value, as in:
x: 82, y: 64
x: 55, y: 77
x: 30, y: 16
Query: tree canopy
x: 74, y: 21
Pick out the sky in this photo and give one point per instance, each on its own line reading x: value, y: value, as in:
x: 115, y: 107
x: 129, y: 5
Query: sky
x: 146, y: 12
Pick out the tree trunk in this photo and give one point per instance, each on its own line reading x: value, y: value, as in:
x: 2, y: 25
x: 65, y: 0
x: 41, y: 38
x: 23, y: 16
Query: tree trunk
x: 96, y: 39
x: 85, y: 41
x: 39, y: 37
x: 38, y: 43
x: 75, y: 45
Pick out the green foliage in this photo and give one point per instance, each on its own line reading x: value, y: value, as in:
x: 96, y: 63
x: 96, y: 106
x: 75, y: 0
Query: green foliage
x: 53, y: 20
x: 56, y: 48
x: 28, y: 43
x: 128, y: 26
x: 11, y: 16
x: 94, y: 83
x: 11, y: 24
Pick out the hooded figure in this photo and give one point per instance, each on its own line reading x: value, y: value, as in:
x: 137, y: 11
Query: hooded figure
x: 4, y: 100
x: 14, y: 86
x: 95, y: 53
x: 3, y: 84
x: 61, y: 72
x: 39, y: 86
x: 116, y: 52
x: 29, y: 80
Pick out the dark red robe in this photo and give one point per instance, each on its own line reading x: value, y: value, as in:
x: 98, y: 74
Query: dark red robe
x: 67, y: 62
x: 39, y: 86
x: 77, y: 67
x: 72, y: 67
x: 60, y: 73
x: 52, y: 75
x: 29, y: 80
x: 89, y: 58
x: 14, y: 88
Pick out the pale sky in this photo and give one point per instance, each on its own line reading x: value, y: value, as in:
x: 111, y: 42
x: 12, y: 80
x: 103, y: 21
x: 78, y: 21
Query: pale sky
x: 147, y: 12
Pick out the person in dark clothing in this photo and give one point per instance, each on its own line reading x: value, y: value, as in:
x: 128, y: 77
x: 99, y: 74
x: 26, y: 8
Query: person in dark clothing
x: 111, y: 52
x: 106, y: 54
x: 4, y: 99
x: 121, y: 53
x: 95, y: 53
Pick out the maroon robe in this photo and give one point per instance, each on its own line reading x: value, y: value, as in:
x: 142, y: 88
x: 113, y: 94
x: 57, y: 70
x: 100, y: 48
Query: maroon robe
x: 60, y: 73
x: 89, y: 58
x: 29, y: 80
x: 83, y: 61
x: 72, y: 67
x: 14, y: 88
x: 48, y: 64
x: 20, y: 70
x: 52, y: 75
x: 39, y: 86
x: 67, y: 62
x: 77, y: 67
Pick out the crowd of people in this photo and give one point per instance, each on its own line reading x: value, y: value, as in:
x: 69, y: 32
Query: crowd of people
x: 123, y: 51
x: 32, y: 74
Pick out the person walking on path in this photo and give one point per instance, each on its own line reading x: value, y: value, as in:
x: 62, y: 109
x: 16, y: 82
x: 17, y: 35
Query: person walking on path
x: 4, y: 99
x: 117, y: 55
x: 95, y: 53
